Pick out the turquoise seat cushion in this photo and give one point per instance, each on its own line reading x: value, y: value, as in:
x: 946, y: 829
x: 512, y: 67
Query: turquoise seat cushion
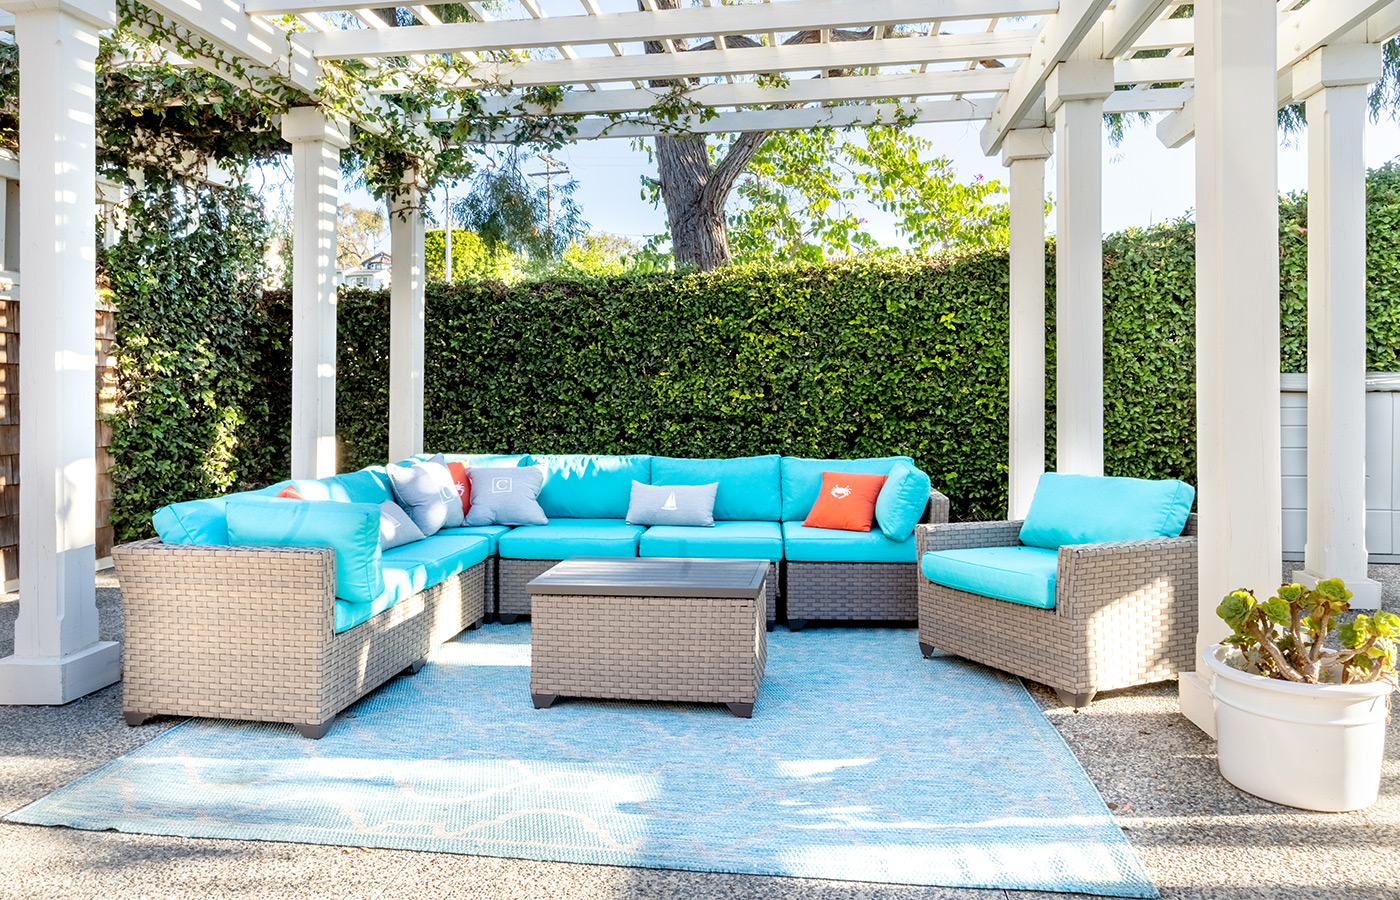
x: 1093, y: 509
x: 802, y: 544
x: 492, y: 533
x: 750, y: 487
x: 201, y: 521
x: 802, y: 479
x: 902, y: 501
x: 725, y: 540
x: 565, y: 538
x: 1023, y: 575
x: 589, y: 487
x: 434, y: 560
x: 351, y: 528
x: 415, y: 567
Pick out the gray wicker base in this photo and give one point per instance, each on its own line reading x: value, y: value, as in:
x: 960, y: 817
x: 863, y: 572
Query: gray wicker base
x: 248, y: 633
x: 847, y: 591
x: 489, y: 595
x: 691, y: 650
x: 512, y: 600
x: 1125, y: 613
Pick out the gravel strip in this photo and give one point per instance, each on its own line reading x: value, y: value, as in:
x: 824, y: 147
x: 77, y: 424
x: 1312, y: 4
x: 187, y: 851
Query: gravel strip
x: 1198, y: 836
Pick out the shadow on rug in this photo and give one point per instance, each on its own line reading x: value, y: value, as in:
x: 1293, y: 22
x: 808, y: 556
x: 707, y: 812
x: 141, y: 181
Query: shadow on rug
x: 863, y: 762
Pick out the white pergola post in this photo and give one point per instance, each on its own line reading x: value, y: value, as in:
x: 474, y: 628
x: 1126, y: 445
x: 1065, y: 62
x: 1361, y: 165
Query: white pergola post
x: 316, y: 144
x: 1334, y: 81
x: 1074, y: 95
x: 1024, y: 152
x: 406, y: 321
x: 57, y: 655
x: 1237, y: 318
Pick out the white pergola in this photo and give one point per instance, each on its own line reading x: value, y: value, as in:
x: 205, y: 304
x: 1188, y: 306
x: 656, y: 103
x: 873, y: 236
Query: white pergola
x: 1039, y: 74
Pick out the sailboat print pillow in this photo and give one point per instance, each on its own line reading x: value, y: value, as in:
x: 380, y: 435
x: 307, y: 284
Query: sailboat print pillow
x: 672, y: 504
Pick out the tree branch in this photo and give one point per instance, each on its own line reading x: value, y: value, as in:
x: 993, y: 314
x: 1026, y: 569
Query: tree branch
x: 735, y: 162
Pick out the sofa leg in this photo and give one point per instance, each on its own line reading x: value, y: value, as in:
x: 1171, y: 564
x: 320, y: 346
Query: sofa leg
x: 135, y: 718
x: 477, y: 624
x: 416, y: 666
x: 741, y: 710
x: 796, y: 624
x: 772, y: 625
x: 1075, y: 701
x: 507, y: 618
x: 314, y: 732
x: 543, y: 701
x: 926, y: 650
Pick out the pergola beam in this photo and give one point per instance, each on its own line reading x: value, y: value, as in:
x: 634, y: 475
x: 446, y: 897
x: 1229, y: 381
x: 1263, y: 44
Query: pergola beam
x: 1126, y: 22
x: 963, y: 110
x: 1057, y: 38
x: 225, y: 24
x: 652, y: 25
x: 1300, y: 32
x: 791, y: 58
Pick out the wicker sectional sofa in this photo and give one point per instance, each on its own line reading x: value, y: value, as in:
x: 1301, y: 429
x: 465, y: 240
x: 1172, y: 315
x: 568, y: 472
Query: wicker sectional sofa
x: 220, y: 625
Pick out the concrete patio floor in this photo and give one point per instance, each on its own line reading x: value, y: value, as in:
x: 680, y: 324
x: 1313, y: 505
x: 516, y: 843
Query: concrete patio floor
x: 1198, y: 836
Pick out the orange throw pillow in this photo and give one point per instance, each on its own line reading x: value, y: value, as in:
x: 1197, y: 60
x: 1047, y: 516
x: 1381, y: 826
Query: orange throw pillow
x: 463, y: 484
x: 291, y: 493
x: 847, y: 501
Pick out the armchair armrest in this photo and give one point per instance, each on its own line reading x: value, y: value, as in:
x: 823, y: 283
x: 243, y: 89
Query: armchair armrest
x: 937, y: 509
x: 966, y: 535
x: 1093, y: 576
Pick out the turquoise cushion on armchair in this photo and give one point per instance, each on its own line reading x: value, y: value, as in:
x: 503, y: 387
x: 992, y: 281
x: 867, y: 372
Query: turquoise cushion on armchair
x: 351, y: 528
x: 1024, y: 575
x: 1094, y: 509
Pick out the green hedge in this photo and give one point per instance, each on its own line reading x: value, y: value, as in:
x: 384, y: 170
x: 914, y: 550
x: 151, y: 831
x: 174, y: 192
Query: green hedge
x: 870, y: 356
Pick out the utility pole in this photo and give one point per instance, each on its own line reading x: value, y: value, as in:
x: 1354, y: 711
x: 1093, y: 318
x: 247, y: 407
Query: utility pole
x: 447, y: 230
x: 552, y: 167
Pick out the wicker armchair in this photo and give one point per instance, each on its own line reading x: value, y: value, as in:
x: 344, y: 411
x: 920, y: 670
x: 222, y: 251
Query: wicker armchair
x: 1125, y: 613
x: 249, y: 633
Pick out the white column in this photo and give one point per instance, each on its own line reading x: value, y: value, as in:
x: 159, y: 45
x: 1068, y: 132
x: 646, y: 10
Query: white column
x: 1335, y: 82
x: 57, y: 656
x: 1074, y: 95
x: 1024, y: 152
x: 406, y: 321
x: 1237, y: 317
x: 316, y: 144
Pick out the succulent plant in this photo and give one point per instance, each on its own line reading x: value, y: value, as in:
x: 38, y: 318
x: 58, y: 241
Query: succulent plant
x: 1285, y: 636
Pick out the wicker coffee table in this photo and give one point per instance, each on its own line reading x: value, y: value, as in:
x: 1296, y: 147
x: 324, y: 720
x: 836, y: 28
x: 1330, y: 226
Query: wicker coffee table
x: 683, y: 630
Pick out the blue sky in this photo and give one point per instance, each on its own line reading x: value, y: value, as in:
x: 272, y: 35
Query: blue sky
x: 1144, y: 182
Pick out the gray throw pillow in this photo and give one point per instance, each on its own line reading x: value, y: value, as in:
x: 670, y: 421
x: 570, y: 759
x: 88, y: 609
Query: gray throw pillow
x: 395, y: 527
x: 503, y: 496
x: 672, y: 504
x: 427, y: 493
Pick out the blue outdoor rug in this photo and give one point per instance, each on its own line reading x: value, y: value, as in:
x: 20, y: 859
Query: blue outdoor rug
x: 863, y: 762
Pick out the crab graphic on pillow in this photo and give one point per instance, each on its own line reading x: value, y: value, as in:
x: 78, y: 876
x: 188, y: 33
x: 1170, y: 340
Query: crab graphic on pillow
x: 840, y: 492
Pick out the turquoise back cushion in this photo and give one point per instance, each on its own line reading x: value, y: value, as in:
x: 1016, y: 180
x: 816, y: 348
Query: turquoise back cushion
x: 201, y: 521
x: 351, y: 528
x: 589, y: 487
x: 902, y: 501
x: 1090, y: 509
x: 365, y: 486
x: 750, y: 487
x: 481, y: 460
x: 802, y: 479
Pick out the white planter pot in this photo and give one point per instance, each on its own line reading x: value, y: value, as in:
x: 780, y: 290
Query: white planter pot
x: 1313, y: 746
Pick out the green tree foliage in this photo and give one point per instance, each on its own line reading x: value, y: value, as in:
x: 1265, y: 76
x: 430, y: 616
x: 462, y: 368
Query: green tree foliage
x: 511, y: 210
x: 802, y: 190
x: 472, y: 259
x: 186, y: 280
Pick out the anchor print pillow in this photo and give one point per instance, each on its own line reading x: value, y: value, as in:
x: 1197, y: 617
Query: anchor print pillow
x: 846, y: 501
x: 672, y: 504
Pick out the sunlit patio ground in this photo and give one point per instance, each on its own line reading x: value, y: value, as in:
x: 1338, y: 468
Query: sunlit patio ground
x: 1198, y: 836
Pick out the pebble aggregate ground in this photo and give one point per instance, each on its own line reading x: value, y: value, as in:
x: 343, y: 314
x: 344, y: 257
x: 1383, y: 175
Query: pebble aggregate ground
x: 1199, y: 837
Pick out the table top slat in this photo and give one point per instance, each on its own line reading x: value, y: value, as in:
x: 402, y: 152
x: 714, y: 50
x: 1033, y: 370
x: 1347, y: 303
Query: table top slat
x: 653, y: 577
